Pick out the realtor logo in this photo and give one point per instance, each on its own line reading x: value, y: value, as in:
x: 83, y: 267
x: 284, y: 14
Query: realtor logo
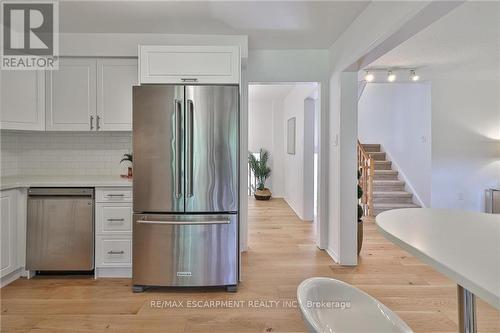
x: 29, y: 35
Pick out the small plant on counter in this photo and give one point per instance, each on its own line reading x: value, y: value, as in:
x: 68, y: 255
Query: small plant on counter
x: 128, y: 158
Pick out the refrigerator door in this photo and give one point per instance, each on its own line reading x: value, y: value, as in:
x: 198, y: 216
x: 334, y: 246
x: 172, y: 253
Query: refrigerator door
x: 158, y: 130
x: 211, y: 176
x: 185, y: 250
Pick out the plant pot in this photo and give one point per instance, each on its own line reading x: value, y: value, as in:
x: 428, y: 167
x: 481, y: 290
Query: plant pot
x: 264, y: 194
x: 360, y: 236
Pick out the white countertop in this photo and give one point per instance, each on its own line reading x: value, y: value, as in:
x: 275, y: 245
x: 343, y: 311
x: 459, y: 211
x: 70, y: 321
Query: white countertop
x: 464, y: 246
x: 63, y: 181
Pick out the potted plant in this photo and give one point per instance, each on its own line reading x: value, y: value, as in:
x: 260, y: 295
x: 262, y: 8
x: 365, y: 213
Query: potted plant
x: 360, y: 216
x: 129, y: 158
x: 261, y: 172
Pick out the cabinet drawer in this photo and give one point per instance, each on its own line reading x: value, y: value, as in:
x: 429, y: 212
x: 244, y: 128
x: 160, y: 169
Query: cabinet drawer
x: 114, y: 194
x: 113, y: 251
x: 113, y: 217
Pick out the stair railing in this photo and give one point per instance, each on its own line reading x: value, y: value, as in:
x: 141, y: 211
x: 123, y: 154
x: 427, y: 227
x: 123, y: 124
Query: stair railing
x: 366, y: 165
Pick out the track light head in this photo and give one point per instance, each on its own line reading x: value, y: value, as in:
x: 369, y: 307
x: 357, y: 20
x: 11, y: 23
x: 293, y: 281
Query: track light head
x: 369, y: 77
x: 391, y: 77
x: 413, y: 76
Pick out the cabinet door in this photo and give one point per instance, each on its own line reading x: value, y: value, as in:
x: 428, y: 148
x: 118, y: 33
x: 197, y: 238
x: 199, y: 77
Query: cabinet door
x: 189, y: 64
x: 8, y: 232
x: 71, y: 99
x: 115, y: 78
x: 22, y: 100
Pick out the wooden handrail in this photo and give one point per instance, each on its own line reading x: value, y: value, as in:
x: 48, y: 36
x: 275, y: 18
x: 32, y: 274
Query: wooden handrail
x: 366, y: 165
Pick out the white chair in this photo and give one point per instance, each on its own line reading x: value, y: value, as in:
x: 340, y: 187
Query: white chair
x: 333, y: 306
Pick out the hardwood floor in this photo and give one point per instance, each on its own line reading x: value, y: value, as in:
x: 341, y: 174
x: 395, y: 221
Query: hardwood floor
x: 281, y: 254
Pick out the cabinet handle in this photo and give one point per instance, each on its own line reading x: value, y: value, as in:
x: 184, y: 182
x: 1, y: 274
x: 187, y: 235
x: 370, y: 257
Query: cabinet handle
x: 97, y: 125
x: 91, y: 123
x: 115, y: 220
x: 116, y: 252
x: 115, y: 195
x: 189, y: 80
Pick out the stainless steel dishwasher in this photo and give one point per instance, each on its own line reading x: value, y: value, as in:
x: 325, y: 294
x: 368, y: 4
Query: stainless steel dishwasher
x: 60, y: 230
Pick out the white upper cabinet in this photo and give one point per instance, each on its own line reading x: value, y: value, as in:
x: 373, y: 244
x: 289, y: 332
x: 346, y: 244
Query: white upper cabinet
x: 115, y: 78
x: 22, y: 100
x: 71, y: 96
x: 189, y: 64
x: 89, y: 94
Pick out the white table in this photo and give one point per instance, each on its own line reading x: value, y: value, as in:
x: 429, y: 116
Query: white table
x: 464, y: 246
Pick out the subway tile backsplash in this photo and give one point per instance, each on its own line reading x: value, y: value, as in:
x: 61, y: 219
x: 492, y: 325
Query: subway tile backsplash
x: 63, y: 153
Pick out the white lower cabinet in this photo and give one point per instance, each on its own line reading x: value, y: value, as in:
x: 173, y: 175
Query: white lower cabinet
x: 113, y: 232
x: 12, y: 235
x: 114, y: 250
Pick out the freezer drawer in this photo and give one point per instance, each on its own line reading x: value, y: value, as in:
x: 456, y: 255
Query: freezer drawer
x: 185, y: 250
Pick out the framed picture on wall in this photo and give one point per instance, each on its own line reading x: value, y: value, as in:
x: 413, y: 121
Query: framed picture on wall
x: 290, y: 136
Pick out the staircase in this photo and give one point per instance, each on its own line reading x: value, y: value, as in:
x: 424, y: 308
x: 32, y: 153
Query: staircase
x: 388, y: 191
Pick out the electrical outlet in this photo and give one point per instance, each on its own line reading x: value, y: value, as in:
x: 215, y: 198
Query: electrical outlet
x: 460, y: 196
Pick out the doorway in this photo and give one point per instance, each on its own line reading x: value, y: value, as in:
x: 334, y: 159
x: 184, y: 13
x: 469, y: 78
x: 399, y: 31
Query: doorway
x: 283, y: 120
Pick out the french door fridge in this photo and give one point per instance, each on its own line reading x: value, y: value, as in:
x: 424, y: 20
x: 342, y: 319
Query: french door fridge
x: 185, y: 186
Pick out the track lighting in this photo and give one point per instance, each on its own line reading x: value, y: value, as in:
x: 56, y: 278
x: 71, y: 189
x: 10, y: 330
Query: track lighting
x: 414, y: 76
x: 391, y: 77
x: 369, y: 77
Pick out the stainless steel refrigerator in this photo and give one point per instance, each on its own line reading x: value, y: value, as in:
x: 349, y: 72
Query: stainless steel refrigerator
x: 185, y: 186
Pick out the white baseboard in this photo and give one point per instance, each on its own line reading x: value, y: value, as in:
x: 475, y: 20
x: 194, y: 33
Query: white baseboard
x: 296, y: 213
x: 113, y: 272
x: 11, y: 277
x: 332, y: 254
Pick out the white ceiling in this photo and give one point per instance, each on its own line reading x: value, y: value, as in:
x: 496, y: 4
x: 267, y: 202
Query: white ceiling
x: 268, y: 92
x: 268, y: 24
x: 468, y: 39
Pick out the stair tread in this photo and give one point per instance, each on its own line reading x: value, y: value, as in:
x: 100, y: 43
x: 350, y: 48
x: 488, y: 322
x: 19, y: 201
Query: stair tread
x: 392, y: 193
x: 387, y: 181
x: 395, y: 205
x: 386, y: 171
x: 382, y: 162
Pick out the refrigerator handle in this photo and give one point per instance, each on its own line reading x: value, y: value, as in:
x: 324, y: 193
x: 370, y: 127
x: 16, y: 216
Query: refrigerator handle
x: 189, y: 148
x: 178, y: 147
x: 176, y: 222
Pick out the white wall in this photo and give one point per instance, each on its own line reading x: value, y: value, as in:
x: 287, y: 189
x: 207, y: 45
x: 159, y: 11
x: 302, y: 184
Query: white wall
x: 292, y: 176
x: 367, y: 37
x: 466, y: 140
x: 308, y: 173
x: 294, y: 105
x: 265, y: 130
x: 398, y: 116
x: 65, y: 153
x: 290, y: 66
